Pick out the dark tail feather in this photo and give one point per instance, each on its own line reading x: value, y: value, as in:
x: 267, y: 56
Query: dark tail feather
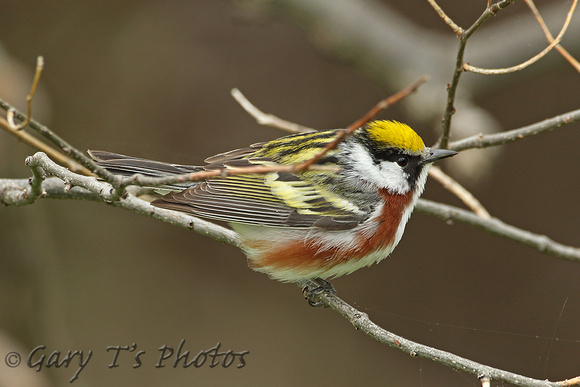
x: 127, y: 165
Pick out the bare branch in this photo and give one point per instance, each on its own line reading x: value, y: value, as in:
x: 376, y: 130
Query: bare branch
x: 35, y: 143
x: 67, y: 149
x: 458, y: 30
x: 484, y: 141
x: 17, y: 192
x: 268, y: 119
x: 534, y: 59
x: 452, y: 88
x: 14, y: 192
x: 16, y: 129
x: 29, y: 98
x: 458, y: 190
x: 141, y: 180
x: 495, y: 226
x: 363, y: 323
x: 549, y: 36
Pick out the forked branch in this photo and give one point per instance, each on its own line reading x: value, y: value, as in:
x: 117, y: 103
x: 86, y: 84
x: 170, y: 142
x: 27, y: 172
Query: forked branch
x: 490, y: 10
x: 553, y: 43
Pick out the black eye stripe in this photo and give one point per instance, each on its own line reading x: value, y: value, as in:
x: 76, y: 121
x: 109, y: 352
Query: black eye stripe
x: 391, y: 155
x: 384, y: 155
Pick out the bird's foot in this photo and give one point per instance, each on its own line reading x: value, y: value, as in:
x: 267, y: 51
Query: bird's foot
x: 312, y: 289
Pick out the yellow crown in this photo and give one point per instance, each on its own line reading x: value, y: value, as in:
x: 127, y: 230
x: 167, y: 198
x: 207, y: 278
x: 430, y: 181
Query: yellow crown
x: 395, y: 134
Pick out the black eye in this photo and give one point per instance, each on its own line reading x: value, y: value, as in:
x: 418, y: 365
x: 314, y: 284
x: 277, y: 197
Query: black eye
x: 403, y: 161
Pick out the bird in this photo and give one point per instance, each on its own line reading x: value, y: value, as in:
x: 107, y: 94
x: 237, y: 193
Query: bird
x: 316, y: 224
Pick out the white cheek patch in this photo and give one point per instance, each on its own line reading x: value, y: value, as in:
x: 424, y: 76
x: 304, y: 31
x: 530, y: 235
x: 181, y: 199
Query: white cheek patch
x: 387, y: 174
x: 394, y: 178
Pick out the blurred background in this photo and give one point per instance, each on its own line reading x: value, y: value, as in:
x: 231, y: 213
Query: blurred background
x: 153, y: 79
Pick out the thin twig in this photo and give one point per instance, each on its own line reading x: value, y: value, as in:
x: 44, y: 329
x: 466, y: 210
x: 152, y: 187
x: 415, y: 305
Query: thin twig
x: 15, y: 129
x: 35, y: 143
x: 29, y: 98
x: 147, y: 181
x: 385, y: 103
x: 490, y: 10
x: 549, y: 36
x: 458, y: 30
x: 67, y: 149
x: 485, y: 141
x: 495, y: 226
x: 341, y: 135
x: 534, y: 59
x: 458, y: 190
x: 267, y: 119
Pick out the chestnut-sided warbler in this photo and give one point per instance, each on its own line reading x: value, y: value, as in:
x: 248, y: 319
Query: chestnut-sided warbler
x: 312, y: 224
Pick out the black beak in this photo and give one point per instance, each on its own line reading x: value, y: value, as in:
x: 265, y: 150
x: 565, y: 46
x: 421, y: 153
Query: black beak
x: 437, y: 154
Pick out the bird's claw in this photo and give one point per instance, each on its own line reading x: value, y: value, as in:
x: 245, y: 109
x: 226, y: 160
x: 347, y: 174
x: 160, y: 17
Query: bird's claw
x: 312, y: 289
